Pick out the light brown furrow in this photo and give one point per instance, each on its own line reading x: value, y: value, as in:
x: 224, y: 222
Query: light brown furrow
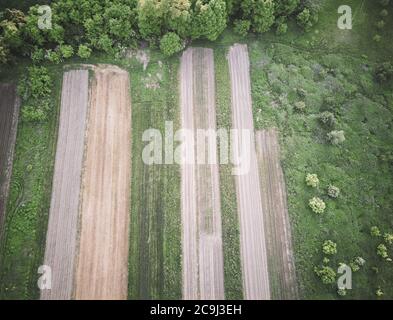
x: 102, y: 267
x: 203, y: 271
x: 252, y: 232
x: 277, y: 219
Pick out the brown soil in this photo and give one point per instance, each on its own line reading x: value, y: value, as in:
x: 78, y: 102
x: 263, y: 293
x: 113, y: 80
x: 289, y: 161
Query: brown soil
x: 102, y: 267
x: 277, y: 225
x: 252, y: 230
x: 203, y: 271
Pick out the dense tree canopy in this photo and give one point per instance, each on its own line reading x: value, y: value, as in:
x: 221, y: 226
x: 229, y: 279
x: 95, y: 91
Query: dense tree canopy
x: 109, y: 25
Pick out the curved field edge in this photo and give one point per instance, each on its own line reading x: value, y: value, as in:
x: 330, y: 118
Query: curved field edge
x: 23, y: 241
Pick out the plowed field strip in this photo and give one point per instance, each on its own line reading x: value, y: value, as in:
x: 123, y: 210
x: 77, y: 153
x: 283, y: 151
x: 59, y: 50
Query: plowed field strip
x: 252, y: 231
x: 278, y: 231
x: 63, y: 217
x: 102, y: 268
x: 203, y: 272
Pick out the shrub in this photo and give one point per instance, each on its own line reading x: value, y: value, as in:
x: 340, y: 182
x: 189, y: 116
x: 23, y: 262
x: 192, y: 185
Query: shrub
x: 357, y: 263
x: 39, y: 82
x: 307, y: 18
x: 377, y: 38
x: 327, y: 118
x: 66, y: 51
x: 53, y: 56
x: 33, y: 114
x: 375, y: 232
x: 171, y: 44
x: 360, y: 261
x: 329, y: 247
x: 336, y: 137
x: 379, y: 293
x: 333, y: 192
x: 35, y: 91
x: 84, y: 51
x: 242, y: 27
x: 325, y: 260
x: 342, y: 292
x: 317, y: 205
x: 38, y: 55
x: 382, y: 251
x: 312, y: 180
x: 300, y: 106
x: 388, y: 238
x: 380, y: 24
x: 384, y: 72
x: 384, y: 13
x: 354, y: 267
x: 326, y: 274
x: 282, y: 28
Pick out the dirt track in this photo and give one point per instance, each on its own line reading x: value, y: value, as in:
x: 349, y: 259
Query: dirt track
x: 102, y: 267
x: 278, y: 229
x: 63, y: 217
x: 203, y: 271
x: 9, y: 112
x: 252, y: 232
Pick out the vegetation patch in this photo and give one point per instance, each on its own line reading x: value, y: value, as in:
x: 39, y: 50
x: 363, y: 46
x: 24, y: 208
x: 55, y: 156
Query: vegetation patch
x: 155, y: 232
x: 23, y: 242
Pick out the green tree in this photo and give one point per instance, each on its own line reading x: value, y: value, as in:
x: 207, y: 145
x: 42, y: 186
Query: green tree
x: 307, y: 18
x: 242, y: 27
x: 84, y: 51
x: 151, y: 16
x: 179, y: 17
x: 66, y: 51
x: 171, y: 44
x: 286, y: 7
x: 262, y: 15
x: 209, y: 19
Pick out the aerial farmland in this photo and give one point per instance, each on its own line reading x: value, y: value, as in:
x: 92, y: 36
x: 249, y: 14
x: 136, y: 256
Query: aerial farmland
x: 196, y: 150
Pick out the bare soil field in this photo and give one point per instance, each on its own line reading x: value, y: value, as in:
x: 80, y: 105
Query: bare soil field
x: 102, y: 266
x: 203, y: 270
x: 252, y: 230
x: 9, y: 113
x: 61, y: 237
x: 277, y: 225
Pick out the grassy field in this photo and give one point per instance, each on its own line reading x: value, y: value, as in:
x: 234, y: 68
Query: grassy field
x: 155, y: 234
x: 23, y: 242
x: 285, y: 72
x: 230, y: 225
x: 327, y: 69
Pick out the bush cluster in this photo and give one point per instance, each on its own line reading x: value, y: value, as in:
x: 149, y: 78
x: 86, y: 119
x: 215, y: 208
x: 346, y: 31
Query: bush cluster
x: 35, y: 91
